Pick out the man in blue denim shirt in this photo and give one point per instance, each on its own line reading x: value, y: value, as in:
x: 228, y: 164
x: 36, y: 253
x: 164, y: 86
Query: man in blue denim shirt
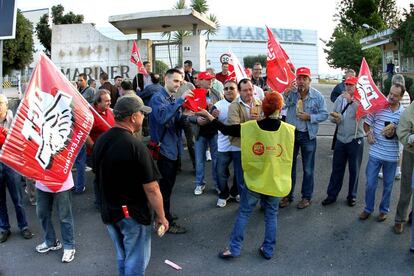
x: 166, y: 120
x: 306, y: 117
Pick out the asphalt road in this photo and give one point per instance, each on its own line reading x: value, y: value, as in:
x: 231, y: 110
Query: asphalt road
x: 314, y: 241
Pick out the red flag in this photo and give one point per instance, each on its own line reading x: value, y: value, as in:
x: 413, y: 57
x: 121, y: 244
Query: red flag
x: 136, y: 59
x: 370, y: 97
x: 199, y: 100
x: 279, y: 69
x: 49, y: 128
x: 236, y: 70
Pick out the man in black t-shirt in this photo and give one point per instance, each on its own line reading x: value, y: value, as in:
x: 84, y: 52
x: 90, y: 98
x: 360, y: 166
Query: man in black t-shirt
x: 127, y: 181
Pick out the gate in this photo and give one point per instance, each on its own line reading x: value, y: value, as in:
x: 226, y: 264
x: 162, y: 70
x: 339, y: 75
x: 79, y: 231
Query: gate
x: 166, y: 54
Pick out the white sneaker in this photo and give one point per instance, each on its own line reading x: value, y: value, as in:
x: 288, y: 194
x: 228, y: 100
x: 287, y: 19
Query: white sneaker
x: 43, y: 248
x: 380, y: 175
x: 221, y: 203
x: 208, y: 155
x: 68, y: 255
x: 199, y: 190
x: 398, y: 175
x: 88, y: 169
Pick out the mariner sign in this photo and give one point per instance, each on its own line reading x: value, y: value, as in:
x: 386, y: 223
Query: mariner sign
x: 256, y: 33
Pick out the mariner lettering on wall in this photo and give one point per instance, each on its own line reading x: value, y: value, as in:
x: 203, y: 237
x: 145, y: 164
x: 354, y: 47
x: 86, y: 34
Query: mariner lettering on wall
x: 246, y: 33
x: 94, y: 72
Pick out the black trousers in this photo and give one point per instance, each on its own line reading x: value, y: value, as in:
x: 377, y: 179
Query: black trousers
x: 168, y: 170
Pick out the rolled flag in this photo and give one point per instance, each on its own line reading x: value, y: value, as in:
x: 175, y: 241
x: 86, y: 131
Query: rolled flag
x: 136, y: 59
x: 370, y: 97
x: 280, y: 70
x: 49, y: 128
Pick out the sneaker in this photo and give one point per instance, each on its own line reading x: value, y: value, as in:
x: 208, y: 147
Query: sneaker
x: 4, y: 235
x: 176, y: 229
x: 43, y: 248
x: 199, y: 189
x: 68, y: 255
x: 208, y: 156
x: 235, y: 198
x: 26, y: 233
x: 380, y: 175
x: 221, y: 203
x: 304, y: 203
x: 88, y: 169
x: 398, y: 176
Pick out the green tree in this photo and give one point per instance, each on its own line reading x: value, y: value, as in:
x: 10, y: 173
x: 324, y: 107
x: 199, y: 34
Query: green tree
x: 249, y: 61
x: 344, y: 49
x: 405, y: 34
x: 43, y: 30
x: 18, y: 52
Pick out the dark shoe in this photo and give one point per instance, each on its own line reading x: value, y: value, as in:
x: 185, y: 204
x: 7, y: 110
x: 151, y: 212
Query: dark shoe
x: 176, y: 229
x: 226, y: 255
x: 411, y: 250
x: 351, y: 202
x: 26, y: 233
x: 398, y: 228
x: 4, y: 235
x: 284, y: 202
x: 364, y: 215
x: 261, y: 252
x: 410, y: 218
x: 328, y: 201
x: 304, y: 203
x: 381, y: 217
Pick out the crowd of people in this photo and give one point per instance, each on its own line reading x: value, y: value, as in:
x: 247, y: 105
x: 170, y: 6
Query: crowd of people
x: 245, y: 124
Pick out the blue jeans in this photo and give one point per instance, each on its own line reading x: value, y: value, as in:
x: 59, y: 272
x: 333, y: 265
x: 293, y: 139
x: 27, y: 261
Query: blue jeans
x: 80, y: 164
x: 350, y: 153
x: 200, y: 156
x: 248, y: 201
x: 223, y: 173
x: 238, y: 170
x: 133, y: 246
x: 12, y: 180
x: 373, y: 168
x: 64, y: 208
x: 307, y: 148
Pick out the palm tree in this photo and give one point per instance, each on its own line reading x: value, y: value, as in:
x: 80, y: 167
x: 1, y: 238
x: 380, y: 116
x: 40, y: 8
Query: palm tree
x: 209, y: 32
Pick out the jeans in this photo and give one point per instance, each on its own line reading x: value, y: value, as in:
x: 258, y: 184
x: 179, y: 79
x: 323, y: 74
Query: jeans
x: 248, y: 201
x: 238, y: 170
x: 80, y: 164
x: 200, y: 155
x: 307, y: 148
x: 189, y: 137
x: 223, y: 173
x: 11, y: 179
x: 350, y: 153
x: 64, y: 208
x: 388, y: 169
x: 168, y: 170
x: 405, y: 190
x: 133, y: 246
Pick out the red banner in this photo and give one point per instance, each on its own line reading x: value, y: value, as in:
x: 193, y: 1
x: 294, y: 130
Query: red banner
x: 279, y: 70
x: 236, y: 70
x: 49, y: 128
x: 370, y: 97
x: 136, y: 59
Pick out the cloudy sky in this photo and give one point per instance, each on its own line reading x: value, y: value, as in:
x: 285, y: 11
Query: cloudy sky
x: 292, y: 14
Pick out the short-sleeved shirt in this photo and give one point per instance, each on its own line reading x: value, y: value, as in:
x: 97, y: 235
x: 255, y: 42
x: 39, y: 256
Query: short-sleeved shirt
x: 123, y: 165
x: 383, y: 148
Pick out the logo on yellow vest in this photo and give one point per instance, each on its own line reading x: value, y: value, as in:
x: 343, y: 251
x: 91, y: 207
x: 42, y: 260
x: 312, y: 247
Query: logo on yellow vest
x: 259, y: 148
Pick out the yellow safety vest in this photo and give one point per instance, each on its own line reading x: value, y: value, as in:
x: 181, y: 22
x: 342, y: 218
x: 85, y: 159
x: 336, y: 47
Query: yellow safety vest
x: 267, y: 158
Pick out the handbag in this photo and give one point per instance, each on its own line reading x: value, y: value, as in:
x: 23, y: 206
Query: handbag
x: 336, y: 128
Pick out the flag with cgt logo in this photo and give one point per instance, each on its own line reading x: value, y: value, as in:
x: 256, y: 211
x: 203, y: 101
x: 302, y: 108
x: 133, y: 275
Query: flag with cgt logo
x: 49, y: 128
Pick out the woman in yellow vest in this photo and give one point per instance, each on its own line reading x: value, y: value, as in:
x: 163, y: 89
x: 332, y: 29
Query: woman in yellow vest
x: 267, y: 155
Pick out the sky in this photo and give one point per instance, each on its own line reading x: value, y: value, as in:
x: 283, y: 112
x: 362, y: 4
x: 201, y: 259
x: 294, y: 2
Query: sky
x: 293, y: 14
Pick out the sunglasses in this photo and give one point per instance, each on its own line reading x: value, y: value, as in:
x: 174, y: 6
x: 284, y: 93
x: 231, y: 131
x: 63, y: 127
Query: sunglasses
x: 230, y: 88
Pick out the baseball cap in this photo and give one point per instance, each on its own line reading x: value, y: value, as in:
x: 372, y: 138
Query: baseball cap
x: 128, y: 105
x: 351, y: 80
x: 303, y: 71
x: 205, y: 76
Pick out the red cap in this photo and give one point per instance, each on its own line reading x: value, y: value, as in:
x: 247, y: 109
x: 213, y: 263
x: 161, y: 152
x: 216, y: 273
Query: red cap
x: 351, y: 80
x: 303, y: 71
x: 205, y: 76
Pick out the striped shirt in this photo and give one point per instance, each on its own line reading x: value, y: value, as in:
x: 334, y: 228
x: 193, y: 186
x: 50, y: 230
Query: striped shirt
x: 383, y: 148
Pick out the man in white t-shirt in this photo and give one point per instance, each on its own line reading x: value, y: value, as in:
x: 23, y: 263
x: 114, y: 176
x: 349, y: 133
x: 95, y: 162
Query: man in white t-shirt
x: 224, y: 155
